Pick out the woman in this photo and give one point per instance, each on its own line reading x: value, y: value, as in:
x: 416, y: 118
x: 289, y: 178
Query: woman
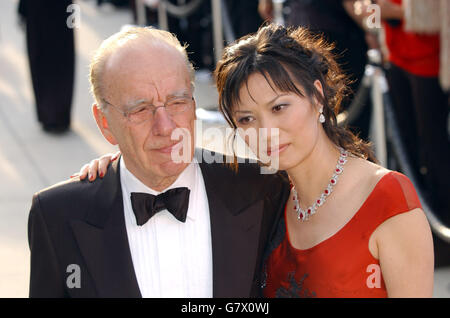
x: 351, y: 228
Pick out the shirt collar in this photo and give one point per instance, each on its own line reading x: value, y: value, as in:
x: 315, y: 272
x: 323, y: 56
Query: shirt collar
x: 187, y: 178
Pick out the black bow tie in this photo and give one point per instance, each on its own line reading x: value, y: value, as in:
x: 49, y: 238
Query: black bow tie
x: 145, y: 205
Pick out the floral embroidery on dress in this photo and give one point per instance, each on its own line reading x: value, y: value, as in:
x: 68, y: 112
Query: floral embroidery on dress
x: 296, y: 289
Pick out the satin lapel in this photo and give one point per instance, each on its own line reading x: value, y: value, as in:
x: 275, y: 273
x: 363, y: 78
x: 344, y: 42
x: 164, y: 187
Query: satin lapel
x: 103, y: 241
x: 235, y: 238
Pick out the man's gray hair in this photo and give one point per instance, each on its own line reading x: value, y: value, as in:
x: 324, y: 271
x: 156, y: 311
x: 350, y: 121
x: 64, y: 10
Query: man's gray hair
x: 125, y: 37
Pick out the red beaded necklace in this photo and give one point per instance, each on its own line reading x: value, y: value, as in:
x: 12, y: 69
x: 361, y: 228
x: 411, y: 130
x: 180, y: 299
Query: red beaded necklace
x: 304, y: 214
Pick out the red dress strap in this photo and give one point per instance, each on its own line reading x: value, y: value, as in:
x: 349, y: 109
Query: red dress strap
x: 395, y: 194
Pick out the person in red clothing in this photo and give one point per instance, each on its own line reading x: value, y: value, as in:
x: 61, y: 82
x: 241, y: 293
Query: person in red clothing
x: 420, y: 104
x: 351, y: 228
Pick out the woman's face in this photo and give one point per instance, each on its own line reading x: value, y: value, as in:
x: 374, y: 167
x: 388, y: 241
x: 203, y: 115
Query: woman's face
x: 294, y: 117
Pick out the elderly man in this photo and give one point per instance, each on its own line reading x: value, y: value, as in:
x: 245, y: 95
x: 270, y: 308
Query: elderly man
x: 152, y: 226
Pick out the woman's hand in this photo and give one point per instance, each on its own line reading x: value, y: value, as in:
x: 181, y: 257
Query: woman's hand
x: 96, y: 167
x: 390, y: 10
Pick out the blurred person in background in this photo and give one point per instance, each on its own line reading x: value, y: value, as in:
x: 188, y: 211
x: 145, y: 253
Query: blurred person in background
x: 244, y: 16
x: 336, y: 21
x: 413, y: 39
x: 196, y: 27
x: 51, y: 54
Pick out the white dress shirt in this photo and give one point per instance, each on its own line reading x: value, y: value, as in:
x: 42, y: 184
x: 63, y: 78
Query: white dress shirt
x: 171, y: 258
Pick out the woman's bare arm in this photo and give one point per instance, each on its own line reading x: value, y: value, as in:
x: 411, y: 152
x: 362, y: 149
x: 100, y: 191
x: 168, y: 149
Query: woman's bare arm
x: 405, y: 250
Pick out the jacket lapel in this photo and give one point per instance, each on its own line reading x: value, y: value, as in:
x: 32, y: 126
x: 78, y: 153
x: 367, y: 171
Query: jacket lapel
x: 235, y: 232
x: 103, y: 240
x: 234, y: 247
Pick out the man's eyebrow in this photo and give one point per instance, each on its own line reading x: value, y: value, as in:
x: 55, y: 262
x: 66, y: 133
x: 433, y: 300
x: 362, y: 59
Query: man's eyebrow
x: 179, y: 93
x: 138, y: 102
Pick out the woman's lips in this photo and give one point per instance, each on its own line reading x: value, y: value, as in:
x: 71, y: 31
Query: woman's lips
x: 277, y: 150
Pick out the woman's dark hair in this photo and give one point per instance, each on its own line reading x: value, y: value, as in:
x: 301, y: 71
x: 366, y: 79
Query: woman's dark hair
x: 287, y: 56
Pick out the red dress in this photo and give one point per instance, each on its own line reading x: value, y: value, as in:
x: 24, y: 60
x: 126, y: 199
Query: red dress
x: 342, y: 265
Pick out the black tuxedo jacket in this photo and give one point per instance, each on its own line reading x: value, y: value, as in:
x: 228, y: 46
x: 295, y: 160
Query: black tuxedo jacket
x: 82, y: 223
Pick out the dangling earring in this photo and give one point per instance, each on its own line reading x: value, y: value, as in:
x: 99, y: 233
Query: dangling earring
x: 321, y: 117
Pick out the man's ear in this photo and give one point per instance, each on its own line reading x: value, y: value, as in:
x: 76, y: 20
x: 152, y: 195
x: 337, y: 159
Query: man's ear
x: 103, y: 125
x: 194, y: 104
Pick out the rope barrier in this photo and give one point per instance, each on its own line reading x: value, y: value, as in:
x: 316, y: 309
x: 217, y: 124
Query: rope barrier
x: 182, y: 11
x: 349, y: 115
x: 399, y: 151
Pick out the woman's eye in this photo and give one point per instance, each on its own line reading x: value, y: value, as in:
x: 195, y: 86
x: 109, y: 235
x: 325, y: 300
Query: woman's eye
x: 279, y: 107
x: 244, y: 120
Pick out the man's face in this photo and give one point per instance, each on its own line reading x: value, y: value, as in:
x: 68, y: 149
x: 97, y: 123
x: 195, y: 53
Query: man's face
x: 139, y: 75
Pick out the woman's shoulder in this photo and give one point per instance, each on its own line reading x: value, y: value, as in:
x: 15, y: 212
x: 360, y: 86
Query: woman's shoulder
x: 368, y: 173
x: 391, y: 188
